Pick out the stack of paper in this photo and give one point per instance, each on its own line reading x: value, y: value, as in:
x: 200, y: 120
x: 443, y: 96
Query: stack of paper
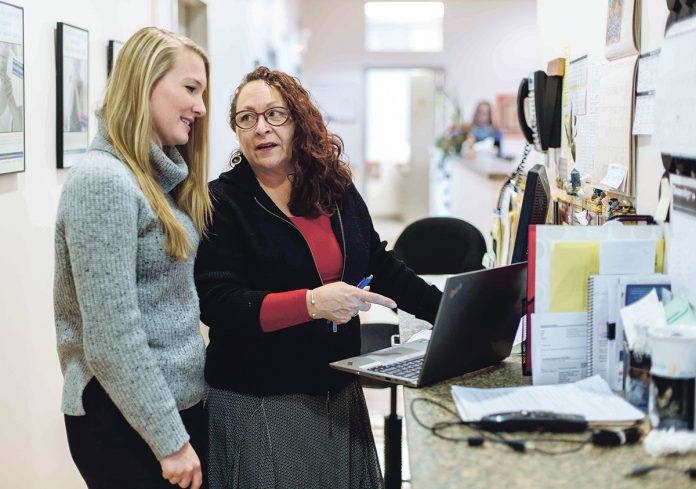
x: 591, y: 398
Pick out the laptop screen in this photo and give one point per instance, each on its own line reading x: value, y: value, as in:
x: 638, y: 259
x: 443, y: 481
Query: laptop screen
x: 477, y: 321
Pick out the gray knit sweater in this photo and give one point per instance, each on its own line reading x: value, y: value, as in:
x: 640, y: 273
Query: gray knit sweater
x: 126, y: 312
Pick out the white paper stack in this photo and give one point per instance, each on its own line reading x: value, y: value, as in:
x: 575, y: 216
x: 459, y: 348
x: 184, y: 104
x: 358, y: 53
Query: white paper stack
x: 591, y: 398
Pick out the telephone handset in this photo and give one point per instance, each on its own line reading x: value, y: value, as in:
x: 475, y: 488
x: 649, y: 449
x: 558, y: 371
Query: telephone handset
x: 544, y: 95
x: 543, y: 132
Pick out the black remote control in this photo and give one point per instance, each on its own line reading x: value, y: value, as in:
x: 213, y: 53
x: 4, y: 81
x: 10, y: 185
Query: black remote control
x: 534, y: 421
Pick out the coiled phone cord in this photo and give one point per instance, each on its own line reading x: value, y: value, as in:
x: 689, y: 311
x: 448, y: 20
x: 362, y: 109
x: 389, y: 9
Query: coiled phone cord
x: 513, y: 182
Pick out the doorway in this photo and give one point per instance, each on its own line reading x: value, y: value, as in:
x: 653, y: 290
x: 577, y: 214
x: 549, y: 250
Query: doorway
x: 193, y: 21
x: 403, y: 115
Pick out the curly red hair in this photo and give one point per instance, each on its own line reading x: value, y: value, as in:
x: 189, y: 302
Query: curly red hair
x: 320, y: 177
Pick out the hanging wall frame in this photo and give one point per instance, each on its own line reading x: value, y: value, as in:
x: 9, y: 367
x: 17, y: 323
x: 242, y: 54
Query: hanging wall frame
x: 72, y: 93
x: 111, y: 53
x: 12, y: 156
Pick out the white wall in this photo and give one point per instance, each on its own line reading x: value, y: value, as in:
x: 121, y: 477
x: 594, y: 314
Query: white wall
x: 489, y: 45
x: 240, y: 34
x: 579, y: 26
x: 33, y: 447
x: 33, y: 450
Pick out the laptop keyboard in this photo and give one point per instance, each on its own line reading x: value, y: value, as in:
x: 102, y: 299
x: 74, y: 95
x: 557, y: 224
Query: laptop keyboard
x: 409, y: 369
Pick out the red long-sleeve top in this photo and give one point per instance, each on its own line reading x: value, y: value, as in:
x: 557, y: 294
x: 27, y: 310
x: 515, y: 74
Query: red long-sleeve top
x: 284, y: 309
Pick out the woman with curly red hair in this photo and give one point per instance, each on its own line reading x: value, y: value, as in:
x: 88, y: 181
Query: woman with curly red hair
x: 276, y: 277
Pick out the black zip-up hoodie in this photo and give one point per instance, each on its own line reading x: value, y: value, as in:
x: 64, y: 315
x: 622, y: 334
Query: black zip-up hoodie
x: 252, y: 249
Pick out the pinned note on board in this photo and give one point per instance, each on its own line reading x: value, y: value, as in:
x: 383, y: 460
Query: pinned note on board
x: 615, y: 176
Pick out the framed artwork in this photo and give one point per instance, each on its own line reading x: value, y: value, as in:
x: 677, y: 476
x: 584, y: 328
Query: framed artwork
x: 11, y: 88
x: 72, y: 93
x: 506, y: 107
x: 614, y: 14
x: 111, y: 52
x: 623, y: 27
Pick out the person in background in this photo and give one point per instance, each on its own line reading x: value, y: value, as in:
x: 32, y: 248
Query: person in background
x: 482, y: 126
x: 276, y: 275
x: 129, y: 221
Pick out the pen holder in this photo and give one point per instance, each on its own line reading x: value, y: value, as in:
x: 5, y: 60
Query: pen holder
x: 637, y: 377
x: 672, y: 377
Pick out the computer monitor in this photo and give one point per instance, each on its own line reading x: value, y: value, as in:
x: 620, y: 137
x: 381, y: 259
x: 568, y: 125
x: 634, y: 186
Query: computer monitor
x: 535, y: 206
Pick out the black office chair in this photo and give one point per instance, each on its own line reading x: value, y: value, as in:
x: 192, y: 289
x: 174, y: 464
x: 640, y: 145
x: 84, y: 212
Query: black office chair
x: 441, y: 245
x: 429, y: 246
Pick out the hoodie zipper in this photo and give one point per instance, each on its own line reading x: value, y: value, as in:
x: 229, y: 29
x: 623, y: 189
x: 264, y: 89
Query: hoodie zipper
x: 343, y: 245
x: 343, y: 241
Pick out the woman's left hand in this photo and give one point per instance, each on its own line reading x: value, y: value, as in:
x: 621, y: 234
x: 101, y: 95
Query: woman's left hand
x: 340, y: 302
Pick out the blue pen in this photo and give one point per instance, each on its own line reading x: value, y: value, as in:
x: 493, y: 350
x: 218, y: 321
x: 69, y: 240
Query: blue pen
x: 361, y: 285
x: 365, y: 282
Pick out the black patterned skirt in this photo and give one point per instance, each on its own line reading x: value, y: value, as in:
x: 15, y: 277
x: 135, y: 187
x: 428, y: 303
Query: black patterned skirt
x: 291, y: 441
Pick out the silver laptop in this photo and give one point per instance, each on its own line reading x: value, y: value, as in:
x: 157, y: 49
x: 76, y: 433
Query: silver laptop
x: 474, y: 328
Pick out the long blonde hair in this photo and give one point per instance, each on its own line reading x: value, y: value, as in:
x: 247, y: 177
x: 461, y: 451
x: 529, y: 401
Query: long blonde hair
x: 144, y: 59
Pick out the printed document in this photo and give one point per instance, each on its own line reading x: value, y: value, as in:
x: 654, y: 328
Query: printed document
x: 559, y: 354
x: 591, y: 398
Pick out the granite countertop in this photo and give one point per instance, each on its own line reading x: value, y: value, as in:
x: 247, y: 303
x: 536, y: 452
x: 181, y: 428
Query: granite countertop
x: 439, y: 464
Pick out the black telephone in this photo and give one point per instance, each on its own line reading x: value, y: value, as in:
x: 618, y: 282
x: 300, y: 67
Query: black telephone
x: 543, y: 132
x: 544, y: 95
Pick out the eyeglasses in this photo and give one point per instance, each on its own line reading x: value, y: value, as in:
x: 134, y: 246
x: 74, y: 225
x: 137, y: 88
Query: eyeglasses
x: 275, y: 116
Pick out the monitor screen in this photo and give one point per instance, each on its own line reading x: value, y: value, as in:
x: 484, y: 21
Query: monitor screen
x: 535, y: 206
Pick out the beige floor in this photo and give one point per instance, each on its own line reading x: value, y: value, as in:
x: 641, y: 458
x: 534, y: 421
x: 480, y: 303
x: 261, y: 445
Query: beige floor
x: 378, y: 399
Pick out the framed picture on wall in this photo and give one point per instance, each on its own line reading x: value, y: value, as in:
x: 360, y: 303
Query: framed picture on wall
x: 506, y: 107
x: 72, y: 93
x: 623, y: 26
x: 11, y: 88
x: 111, y: 52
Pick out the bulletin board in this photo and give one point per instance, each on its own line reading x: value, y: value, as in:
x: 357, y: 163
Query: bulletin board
x: 598, y: 106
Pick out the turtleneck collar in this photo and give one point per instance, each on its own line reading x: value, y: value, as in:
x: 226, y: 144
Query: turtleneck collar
x: 168, y: 165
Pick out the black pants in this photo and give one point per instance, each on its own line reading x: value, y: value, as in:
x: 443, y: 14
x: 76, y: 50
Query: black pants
x: 110, y: 454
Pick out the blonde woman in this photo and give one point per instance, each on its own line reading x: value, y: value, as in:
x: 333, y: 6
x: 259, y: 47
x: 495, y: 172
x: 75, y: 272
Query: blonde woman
x: 129, y: 221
